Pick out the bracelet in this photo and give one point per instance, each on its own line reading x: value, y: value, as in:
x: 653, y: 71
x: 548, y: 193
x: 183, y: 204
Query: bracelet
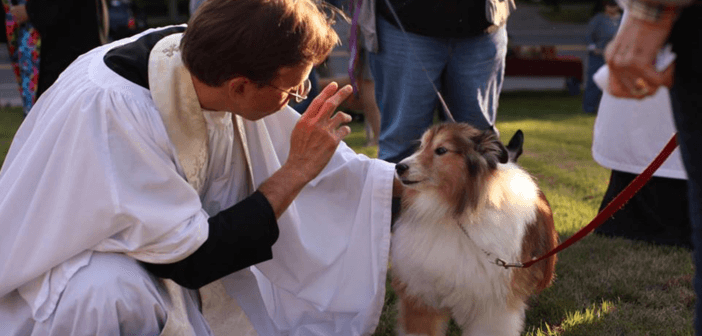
x: 647, y: 11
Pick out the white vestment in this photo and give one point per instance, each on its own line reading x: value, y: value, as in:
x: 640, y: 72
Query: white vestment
x: 103, y: 164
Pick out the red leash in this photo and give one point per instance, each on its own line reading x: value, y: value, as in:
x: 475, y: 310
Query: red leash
x: 613, y: 206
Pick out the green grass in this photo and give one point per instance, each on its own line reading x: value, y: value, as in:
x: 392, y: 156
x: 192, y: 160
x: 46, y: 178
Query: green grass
x: 603, y: 286
x: 10, y: 119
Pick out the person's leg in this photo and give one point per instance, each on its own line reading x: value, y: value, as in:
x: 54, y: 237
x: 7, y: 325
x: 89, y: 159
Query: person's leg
x: 371, y: 113
x: 592, y: 93
x: 115, y: 295
x: 686, y: 99
x: 474, y: 76
x: 403, y: 92
x: 688, y: 117
x: 687, y: 106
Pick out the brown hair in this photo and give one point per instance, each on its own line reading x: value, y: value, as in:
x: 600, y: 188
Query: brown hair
x: 255, y: 38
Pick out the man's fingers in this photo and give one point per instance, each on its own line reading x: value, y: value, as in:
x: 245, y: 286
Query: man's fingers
x: 339, y: 119
x: 342, y: 132
x: 653, y: 77
x: 615, y: 87
x: 621, y: 86
x: 644, y: 82
x: 332, y: 103
x: 315, y: 106
x: 341, y: 95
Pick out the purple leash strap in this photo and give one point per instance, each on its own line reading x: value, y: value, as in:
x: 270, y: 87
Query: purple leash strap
x: 353, y: 43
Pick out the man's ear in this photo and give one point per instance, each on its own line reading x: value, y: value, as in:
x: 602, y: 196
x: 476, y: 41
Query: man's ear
x: 238, y: 86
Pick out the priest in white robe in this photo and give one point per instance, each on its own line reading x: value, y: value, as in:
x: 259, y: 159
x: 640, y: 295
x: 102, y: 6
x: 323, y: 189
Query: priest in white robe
x: 169, y: 162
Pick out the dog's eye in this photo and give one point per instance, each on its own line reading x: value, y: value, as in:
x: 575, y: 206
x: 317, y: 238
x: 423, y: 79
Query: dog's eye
x: 440, y: 151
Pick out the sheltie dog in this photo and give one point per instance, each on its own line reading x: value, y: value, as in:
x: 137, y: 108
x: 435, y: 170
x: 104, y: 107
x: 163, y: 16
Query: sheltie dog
x: 466, y: 203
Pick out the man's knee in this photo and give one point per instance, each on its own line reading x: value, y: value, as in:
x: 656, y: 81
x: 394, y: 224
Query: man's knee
x: 113, y: 295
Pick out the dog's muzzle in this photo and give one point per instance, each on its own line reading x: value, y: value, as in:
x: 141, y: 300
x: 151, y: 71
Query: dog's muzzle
x: 401, y: 168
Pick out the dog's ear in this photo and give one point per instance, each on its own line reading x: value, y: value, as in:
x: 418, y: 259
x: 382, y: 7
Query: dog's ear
x: 490, y: 147
x: 514, y: 147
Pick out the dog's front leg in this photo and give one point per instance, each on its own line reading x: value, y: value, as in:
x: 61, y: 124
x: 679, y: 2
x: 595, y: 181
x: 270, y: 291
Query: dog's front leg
x: 416, y: 318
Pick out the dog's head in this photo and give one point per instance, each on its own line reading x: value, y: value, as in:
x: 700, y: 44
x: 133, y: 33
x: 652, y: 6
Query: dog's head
x: 454, y: 160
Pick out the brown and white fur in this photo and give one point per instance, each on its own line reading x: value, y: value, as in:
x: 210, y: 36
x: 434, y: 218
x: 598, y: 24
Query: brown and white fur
x: 464, y: 199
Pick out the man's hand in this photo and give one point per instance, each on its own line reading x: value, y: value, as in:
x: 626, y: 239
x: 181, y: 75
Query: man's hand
x: 631, y: 56
x: 313, y: 142
x: 19, y: 12
x: 317, y: 134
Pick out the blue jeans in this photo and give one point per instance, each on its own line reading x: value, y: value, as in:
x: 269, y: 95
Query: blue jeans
x: 592, y: 94
x: 468, y: 72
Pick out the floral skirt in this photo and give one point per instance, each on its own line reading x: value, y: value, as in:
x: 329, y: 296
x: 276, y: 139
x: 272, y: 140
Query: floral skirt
x: 23, y: 44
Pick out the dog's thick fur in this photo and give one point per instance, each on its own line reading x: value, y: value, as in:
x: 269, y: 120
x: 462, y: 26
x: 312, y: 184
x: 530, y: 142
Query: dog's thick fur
x: 466, y: 203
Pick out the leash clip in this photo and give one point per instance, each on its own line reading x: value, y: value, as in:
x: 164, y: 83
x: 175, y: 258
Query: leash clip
x: 506, y: 265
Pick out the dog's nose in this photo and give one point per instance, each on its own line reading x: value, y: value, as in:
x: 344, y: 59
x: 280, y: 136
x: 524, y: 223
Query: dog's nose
x: 401, y: 168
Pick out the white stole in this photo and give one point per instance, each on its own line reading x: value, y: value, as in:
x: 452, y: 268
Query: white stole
x: 175, y: 98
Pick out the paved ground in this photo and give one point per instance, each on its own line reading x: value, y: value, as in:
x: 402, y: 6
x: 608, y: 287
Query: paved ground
x: 9, y: 91
x: 527, y: 26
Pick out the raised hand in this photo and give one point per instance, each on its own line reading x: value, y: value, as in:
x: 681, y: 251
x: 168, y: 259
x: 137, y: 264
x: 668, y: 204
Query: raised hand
x: 318, y: 132
x: 312, y: 144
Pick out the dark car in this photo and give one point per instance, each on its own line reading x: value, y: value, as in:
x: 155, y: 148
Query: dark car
x: 125, y: 19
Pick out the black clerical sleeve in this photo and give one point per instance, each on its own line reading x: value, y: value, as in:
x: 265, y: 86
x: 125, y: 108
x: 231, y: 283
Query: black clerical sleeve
x: 238, y: 237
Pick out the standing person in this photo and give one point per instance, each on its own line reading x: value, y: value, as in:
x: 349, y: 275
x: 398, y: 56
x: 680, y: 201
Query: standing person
x: 170, y: 160
x: 631, y: 57
x: 23, y: 44
x: 600, y: 30
x: 628, y: 134
x: 460, y: 45
x: 67, y: 29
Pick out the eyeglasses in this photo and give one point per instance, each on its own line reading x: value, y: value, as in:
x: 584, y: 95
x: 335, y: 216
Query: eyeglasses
x: 301, y: 92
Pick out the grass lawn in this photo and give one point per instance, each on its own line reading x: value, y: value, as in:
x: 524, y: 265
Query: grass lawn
x: 603, y: 286
x: 10, y: 119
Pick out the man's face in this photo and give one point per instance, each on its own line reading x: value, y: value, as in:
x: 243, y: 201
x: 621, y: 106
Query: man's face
x: 265, y: 100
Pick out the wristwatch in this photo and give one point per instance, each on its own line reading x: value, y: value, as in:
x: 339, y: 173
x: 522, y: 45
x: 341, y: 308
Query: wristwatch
x: 650, y: 12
